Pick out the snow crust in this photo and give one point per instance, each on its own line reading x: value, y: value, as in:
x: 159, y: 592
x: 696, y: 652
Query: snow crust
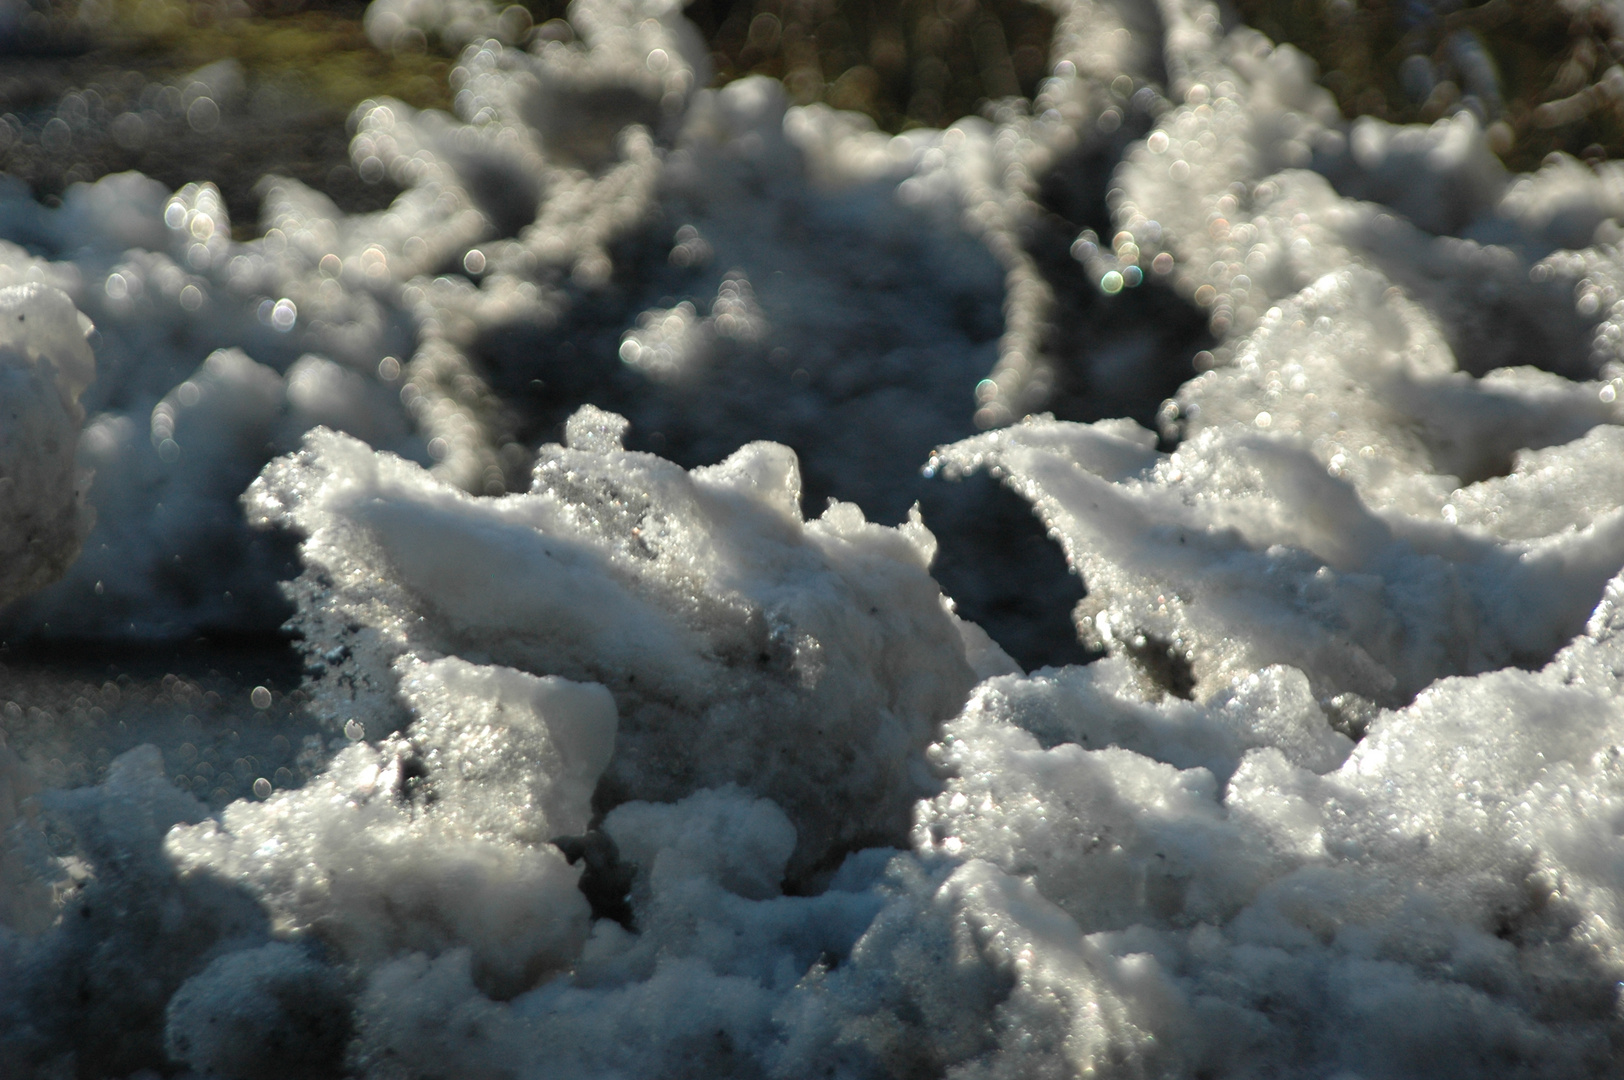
x: 617, y: 762
x: 809, y: 661
x: 1283, y: 535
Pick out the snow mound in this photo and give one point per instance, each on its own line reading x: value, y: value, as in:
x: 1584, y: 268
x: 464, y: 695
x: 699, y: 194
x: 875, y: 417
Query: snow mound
x: 808, y: 661
x: 45, y: 365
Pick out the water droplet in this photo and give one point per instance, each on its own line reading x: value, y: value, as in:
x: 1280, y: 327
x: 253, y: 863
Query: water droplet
x: 203, y: 115
x: 284, y: 314
x: 261, y: 698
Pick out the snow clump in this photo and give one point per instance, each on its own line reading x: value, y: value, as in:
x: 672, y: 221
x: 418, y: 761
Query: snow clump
x: 46, y: 366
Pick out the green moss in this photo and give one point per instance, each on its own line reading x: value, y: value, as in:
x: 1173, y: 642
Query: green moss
x: 316, y: 64
x: 324, y: 52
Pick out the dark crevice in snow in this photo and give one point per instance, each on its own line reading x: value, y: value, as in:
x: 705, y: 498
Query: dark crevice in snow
x: 999, y: 565
x: 606, y: 882
x: 1163, y: 663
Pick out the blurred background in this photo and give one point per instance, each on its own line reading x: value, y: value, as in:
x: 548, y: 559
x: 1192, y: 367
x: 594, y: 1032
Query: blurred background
x: 89, y: 87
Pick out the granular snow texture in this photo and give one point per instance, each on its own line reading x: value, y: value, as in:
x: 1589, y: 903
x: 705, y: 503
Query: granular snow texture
x: 603, y: 476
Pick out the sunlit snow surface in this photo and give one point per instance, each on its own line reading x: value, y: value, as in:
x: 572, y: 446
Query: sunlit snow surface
x: 607, y: 766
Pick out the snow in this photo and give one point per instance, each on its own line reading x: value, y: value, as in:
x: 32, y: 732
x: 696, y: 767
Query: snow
x: 640, y: 734
x: 808, y: 660
x: 47, y: 365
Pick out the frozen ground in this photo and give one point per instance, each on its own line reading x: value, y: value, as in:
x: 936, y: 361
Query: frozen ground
x: 670, y: 496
